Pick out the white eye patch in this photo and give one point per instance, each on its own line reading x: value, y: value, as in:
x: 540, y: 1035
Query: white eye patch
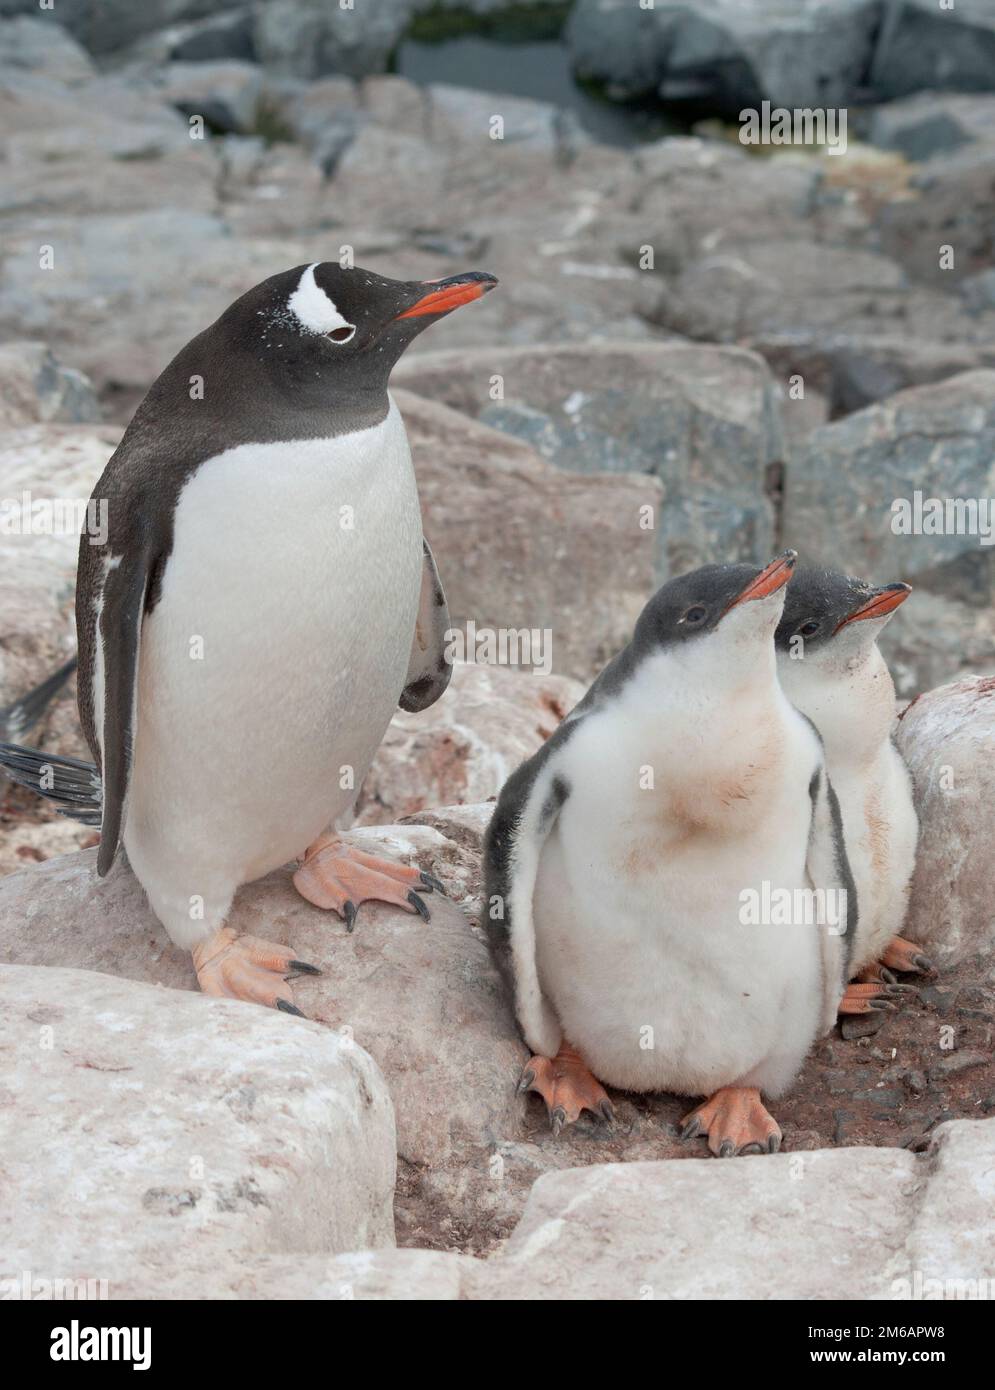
x: 316, y: 313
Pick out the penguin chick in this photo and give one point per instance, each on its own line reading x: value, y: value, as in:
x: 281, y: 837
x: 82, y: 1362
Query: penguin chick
x: 831, y: 669
x: 622, y: 857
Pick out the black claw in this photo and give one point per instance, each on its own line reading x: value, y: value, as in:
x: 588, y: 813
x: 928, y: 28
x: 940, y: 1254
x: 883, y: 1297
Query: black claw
x: 557, y: 1118
x: 691, y: 1130
x: 881, y: 1005
x: 349, y: 912
x: 286, y: 1008
x: 526, y: 1080
x: 301, y: 967
x: 727, y: 1149
x: 431, y: 883
x: 607, y: 1112
x: 924, y: 964
x: 420, y: 906
x: 886, y: 975
x: 773, y: 1143
x: 755, y: 1148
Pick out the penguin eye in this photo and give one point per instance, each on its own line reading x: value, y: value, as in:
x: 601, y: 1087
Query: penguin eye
x: 343, y: 334
x: 695, y: 615
x: 808, y: 629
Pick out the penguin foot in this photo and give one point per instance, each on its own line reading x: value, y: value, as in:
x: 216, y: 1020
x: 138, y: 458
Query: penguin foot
x: 567, y: 1086
x: 871, y: 996
x: 243, y: 967
x: 900, y: 954
x: 334, y: 875
x: 735, y: 1121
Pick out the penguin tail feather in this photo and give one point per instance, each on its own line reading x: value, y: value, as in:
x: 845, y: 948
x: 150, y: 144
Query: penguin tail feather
x: 23, y: 714
x: 72, y: 785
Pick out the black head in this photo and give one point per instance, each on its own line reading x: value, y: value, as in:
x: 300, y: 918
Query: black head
x: 325, y: 336
x: 822, y: 603
x: 693, y: 605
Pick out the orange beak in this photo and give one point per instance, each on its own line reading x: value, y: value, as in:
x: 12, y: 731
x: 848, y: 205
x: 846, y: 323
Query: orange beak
x: 882, y: 601
x: 451, y: 293
x: 769, y: 580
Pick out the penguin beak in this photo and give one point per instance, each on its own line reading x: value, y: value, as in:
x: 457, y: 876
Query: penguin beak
x: 879, y: 605
x: 448, y: 294
x: 773, y: 577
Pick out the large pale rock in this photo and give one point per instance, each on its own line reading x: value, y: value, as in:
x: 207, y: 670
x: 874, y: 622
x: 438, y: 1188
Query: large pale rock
x: 727, y: 53
x: 422, y: 998
x: 226, y: 94
x: 36, y: 387
x: 923, y: 44
x: 466, y: 746
x: 144, y: 1122
x: 520, y: 544
x: 877, y: 1224
x: 938, y: 440
x: 781, y: 1228
x: 947, y: 737
x: 704, y: 421
x: 39, y: 45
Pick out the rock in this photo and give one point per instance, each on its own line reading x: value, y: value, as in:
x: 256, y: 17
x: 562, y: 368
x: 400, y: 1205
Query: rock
x: 309, y: 38
x: 842, y: 491
x: 466, y: 116
x: 225, y: 93
x: 39, y: 45
x: 704, y: 421
x: 931, y: 123
x: 150, y: 1121
x: 925, y: 45
x: 520, y: 544
x: 727, y: 54
x: 954, y: 209
x: 681, y: 1231
x: 57, y: 463
x: 422, y: 998
x: 855, y: 370
x: 466, y: 746
x: 732, y: 1230
x: 221, y: 36
x: 37, y: 388
x: 948, y: 739
x: 446, y: 840
x: 108, y: 25
x: 935, y: 640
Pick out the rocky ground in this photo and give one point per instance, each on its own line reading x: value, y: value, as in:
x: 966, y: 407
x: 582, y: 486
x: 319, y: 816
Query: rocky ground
x: 754, y: 350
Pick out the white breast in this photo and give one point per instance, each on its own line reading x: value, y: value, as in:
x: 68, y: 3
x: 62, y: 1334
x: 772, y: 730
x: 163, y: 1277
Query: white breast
x: 639, y: 941
x: 274, y: 659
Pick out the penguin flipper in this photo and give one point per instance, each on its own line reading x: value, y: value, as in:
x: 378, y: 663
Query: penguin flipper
x: 526, y: 812
x: 429, y: 672
x: 122, y: 610
x: 829, y: 869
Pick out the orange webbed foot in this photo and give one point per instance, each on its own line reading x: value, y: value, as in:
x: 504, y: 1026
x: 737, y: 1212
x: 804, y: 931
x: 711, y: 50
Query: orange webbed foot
x: 230, y: 966
x: 906, y: 956
x: 567, y: 1086
x: 340, y: 877
x: 735, y: 1121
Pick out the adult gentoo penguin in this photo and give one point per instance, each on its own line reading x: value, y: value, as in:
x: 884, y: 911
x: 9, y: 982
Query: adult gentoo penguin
x: 263, y: 602
x: 618, y: 858
x: 831, y: 669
